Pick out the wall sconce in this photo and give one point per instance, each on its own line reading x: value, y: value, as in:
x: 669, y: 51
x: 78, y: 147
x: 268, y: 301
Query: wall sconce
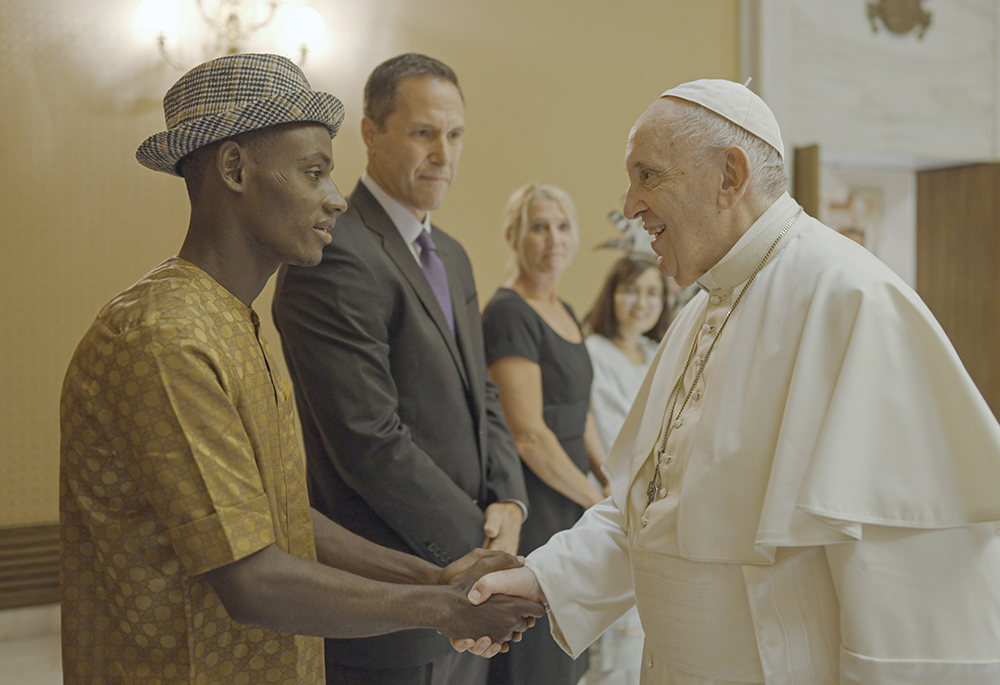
x: 231, y: 22
x: 303, y: 26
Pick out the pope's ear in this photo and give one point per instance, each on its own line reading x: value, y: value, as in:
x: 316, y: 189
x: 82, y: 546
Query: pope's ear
x: 735, y: 177
x: 230, y: 162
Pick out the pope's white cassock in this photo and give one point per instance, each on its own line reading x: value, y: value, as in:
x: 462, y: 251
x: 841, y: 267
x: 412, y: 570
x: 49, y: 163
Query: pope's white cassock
x: 828, y: 499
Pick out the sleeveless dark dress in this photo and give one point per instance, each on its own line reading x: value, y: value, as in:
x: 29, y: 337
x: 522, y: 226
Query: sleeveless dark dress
x: 511, y: 328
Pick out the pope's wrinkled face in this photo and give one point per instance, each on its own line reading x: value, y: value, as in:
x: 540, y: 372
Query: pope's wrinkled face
x: 414, y: 156
x: 293, y: 203
x: 675, y: 196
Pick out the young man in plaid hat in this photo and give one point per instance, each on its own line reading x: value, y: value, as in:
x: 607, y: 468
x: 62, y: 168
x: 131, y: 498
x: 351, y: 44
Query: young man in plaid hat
x: 189, y: 546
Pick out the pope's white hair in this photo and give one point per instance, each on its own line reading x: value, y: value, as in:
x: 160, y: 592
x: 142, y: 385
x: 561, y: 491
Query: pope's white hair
x: 708, y: 133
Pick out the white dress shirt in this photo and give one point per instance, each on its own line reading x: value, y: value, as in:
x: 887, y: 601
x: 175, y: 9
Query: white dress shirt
x: 406, y: 223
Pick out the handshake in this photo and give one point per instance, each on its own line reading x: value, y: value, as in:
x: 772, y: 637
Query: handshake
x: 493, y: 599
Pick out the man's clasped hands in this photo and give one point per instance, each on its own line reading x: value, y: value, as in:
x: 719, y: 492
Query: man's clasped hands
x: 501, y: 600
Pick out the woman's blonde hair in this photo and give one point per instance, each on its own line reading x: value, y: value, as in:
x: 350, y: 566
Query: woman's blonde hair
x: 515, y: 215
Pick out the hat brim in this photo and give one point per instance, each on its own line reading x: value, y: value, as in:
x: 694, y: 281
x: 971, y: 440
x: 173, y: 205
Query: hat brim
x: 164, y: 150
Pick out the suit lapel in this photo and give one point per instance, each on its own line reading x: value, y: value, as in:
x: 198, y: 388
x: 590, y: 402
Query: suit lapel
x: 463, y: 326
x: 377, y: 221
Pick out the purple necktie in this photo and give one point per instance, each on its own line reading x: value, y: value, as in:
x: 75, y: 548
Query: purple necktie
x: 434, y: 270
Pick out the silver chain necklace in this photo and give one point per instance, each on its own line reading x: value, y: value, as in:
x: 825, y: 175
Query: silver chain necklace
x: 669, y: 422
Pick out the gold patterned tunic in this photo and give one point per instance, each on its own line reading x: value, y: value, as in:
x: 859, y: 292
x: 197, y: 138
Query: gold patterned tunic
x: 179, y: 456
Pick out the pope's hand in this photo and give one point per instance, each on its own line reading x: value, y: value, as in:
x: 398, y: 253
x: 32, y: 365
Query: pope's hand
x: 520, y: 582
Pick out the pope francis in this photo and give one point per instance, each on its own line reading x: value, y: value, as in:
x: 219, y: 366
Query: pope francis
x: 807, y: 489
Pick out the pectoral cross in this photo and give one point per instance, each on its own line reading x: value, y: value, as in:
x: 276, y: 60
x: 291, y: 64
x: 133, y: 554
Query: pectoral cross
x: 653, y: 487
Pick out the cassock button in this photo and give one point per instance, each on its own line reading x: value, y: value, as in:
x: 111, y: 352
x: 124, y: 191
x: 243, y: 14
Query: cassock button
x: 697, y: 395
x: 649, y: 662
x: 697, y: 360
x: 708, y: 328
x: 715, y: 299
x: 662, y: 493
x: 678, y: 423
x: 644, y: 521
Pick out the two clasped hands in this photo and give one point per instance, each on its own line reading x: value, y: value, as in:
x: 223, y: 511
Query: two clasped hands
x: 502, y: 599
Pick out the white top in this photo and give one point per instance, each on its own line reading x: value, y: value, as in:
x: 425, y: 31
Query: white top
x: 828, y: 510
x: 616, y: 383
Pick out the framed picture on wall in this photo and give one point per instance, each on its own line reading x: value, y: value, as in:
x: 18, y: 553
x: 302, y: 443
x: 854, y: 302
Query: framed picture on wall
x: 875, y: 208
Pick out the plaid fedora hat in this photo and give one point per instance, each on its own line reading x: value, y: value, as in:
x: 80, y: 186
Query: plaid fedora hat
x: 232, y: 95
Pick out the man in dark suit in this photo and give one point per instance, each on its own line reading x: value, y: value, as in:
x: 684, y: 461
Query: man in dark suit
x: 404, y: 435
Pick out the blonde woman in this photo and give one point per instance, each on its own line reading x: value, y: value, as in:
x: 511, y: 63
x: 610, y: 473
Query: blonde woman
x: 536, y: 356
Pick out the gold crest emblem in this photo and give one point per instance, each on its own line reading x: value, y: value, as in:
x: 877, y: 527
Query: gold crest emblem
x: 899, y: 16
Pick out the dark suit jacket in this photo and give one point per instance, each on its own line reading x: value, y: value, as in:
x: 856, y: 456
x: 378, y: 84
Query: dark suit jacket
x: 405, y: 440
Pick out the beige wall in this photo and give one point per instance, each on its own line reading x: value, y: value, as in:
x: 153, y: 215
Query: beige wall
x: 551, y: 88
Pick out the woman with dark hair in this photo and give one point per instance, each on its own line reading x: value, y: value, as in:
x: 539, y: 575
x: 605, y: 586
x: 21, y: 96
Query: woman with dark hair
x: 536, y: 355
x: 627, y: 322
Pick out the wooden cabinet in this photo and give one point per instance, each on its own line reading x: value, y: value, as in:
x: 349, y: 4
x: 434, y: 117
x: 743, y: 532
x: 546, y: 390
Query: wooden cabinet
x: 958, y: 264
